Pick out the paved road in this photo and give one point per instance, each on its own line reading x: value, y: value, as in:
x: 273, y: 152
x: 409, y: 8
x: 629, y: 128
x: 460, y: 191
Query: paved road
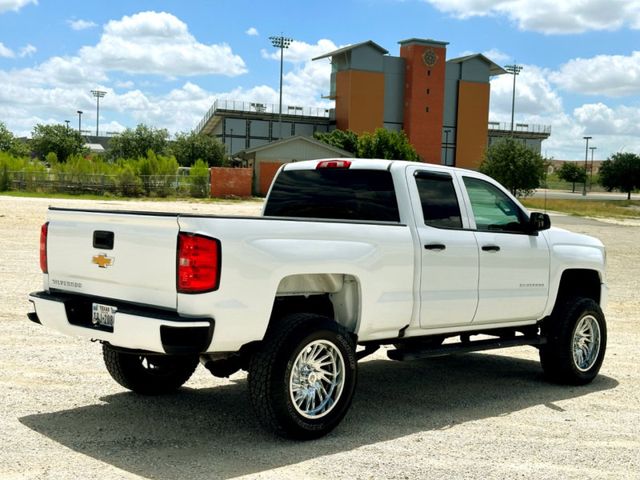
x: 565, y: 195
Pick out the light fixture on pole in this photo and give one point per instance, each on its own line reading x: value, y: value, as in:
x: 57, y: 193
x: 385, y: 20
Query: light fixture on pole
x: 281, y: 43
x: 515, y: 71
x: 80, y: 112
x: 67, y: 122
x: 98, y: 94
x: 586, y: 159
x: 591, y: 168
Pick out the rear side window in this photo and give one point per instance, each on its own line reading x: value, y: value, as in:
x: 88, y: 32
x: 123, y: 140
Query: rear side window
x: 341, y: 194
x: 440, y: 207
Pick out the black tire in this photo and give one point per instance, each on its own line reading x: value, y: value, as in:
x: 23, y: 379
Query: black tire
x: 148, y: 375
x: 569, y: 357
x: 272, y: 375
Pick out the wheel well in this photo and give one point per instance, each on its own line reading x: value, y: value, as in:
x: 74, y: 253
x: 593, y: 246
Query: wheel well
x: 579, y: 282
x: 335, y: 296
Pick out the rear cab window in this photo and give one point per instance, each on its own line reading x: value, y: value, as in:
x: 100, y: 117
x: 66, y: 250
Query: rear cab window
x: 334, y: 193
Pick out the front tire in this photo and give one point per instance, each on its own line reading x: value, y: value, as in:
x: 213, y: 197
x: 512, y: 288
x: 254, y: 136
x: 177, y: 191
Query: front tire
x: 576, y: 342
x: 302, y: 380
x: 148, y: 374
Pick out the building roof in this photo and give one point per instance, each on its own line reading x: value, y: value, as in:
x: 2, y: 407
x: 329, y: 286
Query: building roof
x: 296, y: 138
x: 369, y: 43
x: 494, y: 68
x: 424, y: 41
x: 94, y: 147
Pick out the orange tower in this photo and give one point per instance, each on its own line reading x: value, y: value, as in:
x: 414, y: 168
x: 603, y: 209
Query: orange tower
x: 425, y: 65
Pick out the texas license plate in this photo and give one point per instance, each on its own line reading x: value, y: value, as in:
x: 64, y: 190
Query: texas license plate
x: 103, y: 315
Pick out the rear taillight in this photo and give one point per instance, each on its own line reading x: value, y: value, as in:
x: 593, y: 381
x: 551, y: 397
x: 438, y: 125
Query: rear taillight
x: 198, y: 263
x: 44, y: 231
x: 333, y: 164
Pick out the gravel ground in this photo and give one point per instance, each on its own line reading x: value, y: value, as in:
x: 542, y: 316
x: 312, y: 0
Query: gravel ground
x: 473, y: 416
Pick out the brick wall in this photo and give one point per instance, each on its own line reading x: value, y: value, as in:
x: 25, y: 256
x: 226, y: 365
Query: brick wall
x: 231, y: 182
x: 268, y: 170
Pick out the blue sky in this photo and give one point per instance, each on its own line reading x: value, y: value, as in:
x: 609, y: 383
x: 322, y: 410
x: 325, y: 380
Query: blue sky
x: 164, y: 62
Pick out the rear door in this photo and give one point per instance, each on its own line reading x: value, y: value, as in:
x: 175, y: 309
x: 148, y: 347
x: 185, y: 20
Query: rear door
x: 128, y: 257
x: 448, y: 250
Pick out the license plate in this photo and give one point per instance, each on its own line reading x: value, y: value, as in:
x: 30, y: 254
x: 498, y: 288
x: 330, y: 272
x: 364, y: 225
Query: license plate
x: 103, y: 314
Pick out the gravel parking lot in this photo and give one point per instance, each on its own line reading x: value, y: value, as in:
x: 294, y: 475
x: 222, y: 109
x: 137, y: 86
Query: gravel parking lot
x: 485, y: 415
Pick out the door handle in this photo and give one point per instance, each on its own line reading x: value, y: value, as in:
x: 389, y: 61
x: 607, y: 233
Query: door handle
x: 490, y: 248
x: 436, y: 247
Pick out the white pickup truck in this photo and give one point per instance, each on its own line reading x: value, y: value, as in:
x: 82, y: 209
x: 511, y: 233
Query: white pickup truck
x: 349, y: 255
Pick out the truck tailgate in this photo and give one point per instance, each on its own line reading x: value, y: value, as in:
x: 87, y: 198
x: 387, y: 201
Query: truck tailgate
x: 125, y: 256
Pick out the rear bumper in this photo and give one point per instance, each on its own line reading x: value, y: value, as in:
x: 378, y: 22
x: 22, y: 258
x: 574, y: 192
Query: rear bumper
x: 135, y: 327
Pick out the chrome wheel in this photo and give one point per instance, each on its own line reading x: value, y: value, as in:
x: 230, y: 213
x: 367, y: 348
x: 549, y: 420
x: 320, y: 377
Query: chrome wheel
x: 317, y: 379
x: 586, y: 343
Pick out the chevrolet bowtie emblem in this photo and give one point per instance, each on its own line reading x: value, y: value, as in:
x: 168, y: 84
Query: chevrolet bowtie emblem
x: 102, y: 260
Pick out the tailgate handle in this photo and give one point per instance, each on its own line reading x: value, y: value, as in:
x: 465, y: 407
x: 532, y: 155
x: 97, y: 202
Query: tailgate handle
x: 103, y: 240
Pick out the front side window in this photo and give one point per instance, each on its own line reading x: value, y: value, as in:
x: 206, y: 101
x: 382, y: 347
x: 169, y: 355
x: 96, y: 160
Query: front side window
x: 439, y: 201
x: 493, y: 210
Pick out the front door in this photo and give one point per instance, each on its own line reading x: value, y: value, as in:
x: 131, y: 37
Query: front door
x: 514, y: 266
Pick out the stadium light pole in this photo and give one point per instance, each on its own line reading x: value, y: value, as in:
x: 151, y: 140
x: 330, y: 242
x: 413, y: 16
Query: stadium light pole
x: 98, y: 94
x: 80, y: 112
x: 591, y: 169
x: 281, y: 43
x: 515, y: 71
x: 586, y: 159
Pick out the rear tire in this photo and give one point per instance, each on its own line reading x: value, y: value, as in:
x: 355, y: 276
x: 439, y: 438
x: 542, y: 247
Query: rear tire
x: 576, y: 342
x: 302, y: 380
x: 148, y: 374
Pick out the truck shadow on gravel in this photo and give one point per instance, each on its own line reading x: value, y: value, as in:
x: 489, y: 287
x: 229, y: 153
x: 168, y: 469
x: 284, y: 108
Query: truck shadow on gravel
x: 213, y: 433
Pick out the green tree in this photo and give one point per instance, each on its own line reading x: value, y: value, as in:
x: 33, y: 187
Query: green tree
x: 386, y: 144
x: 572, y: 172
x: 346, y: 140
x: 514, y: 165
x: 10, y: 144
x: 59, y: 139
x: 190, y: 147
x: 136, y: 143
x: 621, y: 172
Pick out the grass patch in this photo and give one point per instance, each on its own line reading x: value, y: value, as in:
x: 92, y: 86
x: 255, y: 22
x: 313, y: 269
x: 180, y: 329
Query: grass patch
x: 587, y: 208
x: 103, y: 198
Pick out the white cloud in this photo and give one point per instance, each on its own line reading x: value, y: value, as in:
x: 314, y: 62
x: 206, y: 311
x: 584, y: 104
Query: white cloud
x: 600, y: 119
x: 551, y: 16
x: 27, y: 51
x: 534, y: 93
x: 6, y: 52
x: 80, y: 24
x: 159, y: 43
x: 15, y: 5
x: 252, y: 32
x: 299, y: 52
x: 125, y: 84
x: 611, y: 75
x: 496, y: 55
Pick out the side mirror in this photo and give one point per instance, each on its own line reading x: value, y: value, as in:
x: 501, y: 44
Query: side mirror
x: 539, y: 221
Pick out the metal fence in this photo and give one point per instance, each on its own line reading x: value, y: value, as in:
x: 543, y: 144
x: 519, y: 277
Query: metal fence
x: 126, y: 184
x: 255, y: 107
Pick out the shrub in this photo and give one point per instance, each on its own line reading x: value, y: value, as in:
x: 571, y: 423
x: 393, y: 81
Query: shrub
x: 199, y: 179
